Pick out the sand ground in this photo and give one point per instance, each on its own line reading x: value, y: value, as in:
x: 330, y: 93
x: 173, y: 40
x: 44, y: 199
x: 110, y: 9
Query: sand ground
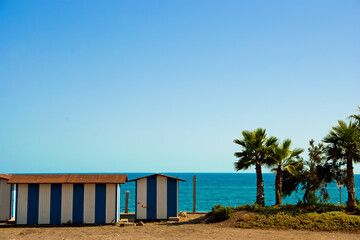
x: 196, y: 231
x: 189, y: 228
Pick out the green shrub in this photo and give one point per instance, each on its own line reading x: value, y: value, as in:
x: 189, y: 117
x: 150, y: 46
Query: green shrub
x: 253, y: 207
x: 330, y: 208
x: 256, y: 207
x: 357, y: 210
x: 247, y: 218
x: 331, y: 221
x: 220, y: 213
x: 243, y: 207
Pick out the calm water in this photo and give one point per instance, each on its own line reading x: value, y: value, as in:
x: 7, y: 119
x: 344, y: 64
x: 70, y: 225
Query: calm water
x: 228, y: 189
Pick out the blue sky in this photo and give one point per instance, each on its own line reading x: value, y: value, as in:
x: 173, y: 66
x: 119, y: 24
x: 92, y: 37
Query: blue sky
x: 165, y: 86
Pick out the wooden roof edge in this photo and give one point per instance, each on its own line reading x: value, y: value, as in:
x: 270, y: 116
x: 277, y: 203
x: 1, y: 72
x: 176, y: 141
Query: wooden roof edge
x: 66, y: 178
x: 5, y: 176
x: 157, y: 174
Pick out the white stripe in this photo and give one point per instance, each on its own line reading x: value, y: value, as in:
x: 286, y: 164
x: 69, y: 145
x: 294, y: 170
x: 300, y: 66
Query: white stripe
x: 89, y: 203
x: 5, y: 193
x: 22, y: 201
x: 110, y: 203
x: 66, y: 203
x: 141, y: 198
x: 117, y: 217
x: 161, y: 196
x: 44, y: 203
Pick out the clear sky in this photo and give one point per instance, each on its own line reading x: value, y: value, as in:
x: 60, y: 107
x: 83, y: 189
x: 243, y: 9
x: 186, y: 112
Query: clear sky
x: 166, y: 86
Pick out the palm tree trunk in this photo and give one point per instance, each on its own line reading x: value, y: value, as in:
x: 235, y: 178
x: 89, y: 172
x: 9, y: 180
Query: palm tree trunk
x: 306, y: 197
x: 278, y: 186
x: 260, y: 199
x: 351, y: 203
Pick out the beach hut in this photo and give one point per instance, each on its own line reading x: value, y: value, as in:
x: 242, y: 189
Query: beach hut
x: 67, y: 198
x: 156, y: 197
x: 5, y: 197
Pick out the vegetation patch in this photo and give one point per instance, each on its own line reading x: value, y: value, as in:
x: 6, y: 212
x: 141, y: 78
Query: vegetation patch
x: 327, y: 221
x: 220, y: 213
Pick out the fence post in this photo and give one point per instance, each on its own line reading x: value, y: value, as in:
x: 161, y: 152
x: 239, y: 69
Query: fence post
x: 194, y: 193
x: 127, y: 202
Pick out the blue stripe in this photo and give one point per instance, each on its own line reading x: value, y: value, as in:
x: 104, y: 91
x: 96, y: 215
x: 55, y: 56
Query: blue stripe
x: 78, y: 203
x: 171, y: 197
x: 55, y: 204
x: 33, y: 204
x: 16, y: 203
x: 100, y: 203
x: 151, y: 197
x: 136, y: 203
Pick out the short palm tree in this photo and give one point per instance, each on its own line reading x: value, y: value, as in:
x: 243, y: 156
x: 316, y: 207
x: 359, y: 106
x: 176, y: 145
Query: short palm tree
x: 344, y: 145
x: 256, y: 150
x: 284, y: 159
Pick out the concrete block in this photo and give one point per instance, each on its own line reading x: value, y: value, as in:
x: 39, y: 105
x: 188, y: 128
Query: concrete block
x: 140, y: 223
x: 126, y: 224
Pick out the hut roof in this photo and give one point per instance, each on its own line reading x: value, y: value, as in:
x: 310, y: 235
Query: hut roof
x: 157, y: 174
x: 68, y: 178
x: 5, y: 176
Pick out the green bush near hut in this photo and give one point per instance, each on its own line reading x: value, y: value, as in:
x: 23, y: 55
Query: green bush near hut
x: 220, y: 213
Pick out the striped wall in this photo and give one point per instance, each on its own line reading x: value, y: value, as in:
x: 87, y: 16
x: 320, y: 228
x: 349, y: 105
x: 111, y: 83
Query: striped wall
x: 5, y: 200
x: 66, y: 203
x: 156, y: 198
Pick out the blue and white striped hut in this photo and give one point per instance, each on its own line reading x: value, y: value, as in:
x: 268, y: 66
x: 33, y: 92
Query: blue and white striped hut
x: 67, y: 198
x: 156, y: 197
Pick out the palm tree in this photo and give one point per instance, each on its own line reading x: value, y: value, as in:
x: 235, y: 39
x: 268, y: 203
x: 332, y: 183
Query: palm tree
x: 356, y: 117
x: 283, y: 158
x: 256, y: 149
x: 344, y: 146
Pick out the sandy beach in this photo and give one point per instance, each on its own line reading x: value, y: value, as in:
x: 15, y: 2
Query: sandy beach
x: 158, y: 231
x: 188, y: 228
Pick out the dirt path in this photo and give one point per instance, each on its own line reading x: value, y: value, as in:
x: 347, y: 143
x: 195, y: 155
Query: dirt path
x: 158, y: 231
x: 193, y: 226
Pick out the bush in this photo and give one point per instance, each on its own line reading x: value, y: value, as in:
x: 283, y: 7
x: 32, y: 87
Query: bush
x: 297, y: 209
x: 357, y: 210
x: 243, y: 207
x: 331, y: 221
x: 256, y: 207
x: 220, y: 213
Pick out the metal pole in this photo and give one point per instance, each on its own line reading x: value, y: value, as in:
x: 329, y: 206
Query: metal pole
x: 194, y: 193
x: 340, y: 195
x: 127, y: 202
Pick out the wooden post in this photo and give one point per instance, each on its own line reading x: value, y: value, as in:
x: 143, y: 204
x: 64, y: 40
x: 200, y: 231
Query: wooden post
x: 127, y: 202
x: 194, y: 193
x: 340, y: 195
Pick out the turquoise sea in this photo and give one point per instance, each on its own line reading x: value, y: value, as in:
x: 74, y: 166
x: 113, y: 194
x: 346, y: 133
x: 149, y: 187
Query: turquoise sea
x: 228, y: 189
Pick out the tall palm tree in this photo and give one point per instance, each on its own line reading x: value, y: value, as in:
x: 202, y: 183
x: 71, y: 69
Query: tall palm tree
x: 256, y: 149
x: 284, y: 159
x: 344, y: 146
x: 356, y: 117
